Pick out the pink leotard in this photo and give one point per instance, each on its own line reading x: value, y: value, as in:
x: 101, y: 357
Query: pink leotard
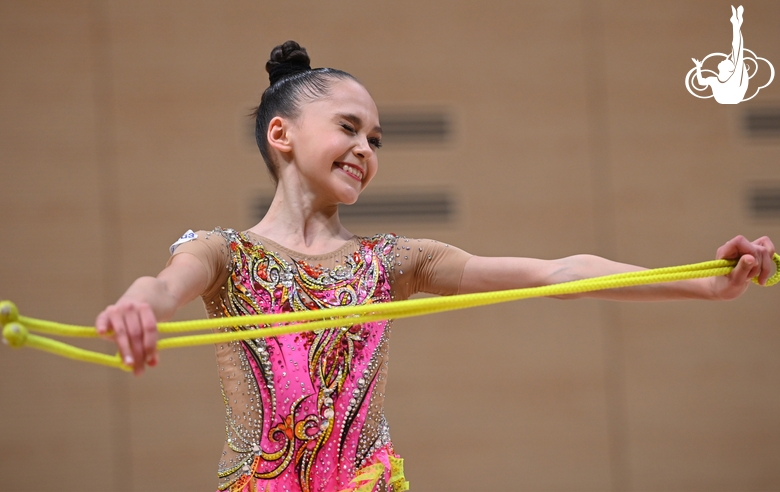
x: 305, y: 411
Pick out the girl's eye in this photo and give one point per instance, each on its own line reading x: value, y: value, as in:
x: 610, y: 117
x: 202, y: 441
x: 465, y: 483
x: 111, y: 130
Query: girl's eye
x: 373, y: 141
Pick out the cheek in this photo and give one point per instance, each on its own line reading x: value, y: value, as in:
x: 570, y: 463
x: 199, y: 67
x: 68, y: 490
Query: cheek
x: 373, y: 168
x: 336, y: 144
x: 326, y: 147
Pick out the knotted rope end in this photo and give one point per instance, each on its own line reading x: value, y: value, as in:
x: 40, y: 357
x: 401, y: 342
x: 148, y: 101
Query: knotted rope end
x: 8, y: 312
x: 15, y: 335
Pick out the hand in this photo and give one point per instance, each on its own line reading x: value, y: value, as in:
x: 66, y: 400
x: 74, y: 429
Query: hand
x: 755, y: 260
x: 133, y: 326
x: 697, y: 62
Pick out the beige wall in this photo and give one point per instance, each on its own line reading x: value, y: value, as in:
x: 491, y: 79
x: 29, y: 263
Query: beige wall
x: 122, y: 125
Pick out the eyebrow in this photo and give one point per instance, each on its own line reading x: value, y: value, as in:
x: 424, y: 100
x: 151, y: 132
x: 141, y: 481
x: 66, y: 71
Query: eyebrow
x: 357, y: 121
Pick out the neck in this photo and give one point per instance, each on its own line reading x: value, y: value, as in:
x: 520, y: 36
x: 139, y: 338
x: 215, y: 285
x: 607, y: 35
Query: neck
x: 297, y: 219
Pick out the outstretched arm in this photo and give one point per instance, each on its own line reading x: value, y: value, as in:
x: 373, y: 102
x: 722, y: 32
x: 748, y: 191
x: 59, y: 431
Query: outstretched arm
x: 132, y: 320
x: 483, y: 274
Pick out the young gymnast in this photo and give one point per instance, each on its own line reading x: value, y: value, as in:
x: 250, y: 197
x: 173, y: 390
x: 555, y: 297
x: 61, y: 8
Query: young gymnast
x: 305, y: 411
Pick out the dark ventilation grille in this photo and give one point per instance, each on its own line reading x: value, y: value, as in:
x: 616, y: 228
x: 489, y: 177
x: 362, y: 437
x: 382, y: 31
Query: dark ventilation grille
x: 404, y: 207
x: 762, y: 122
x: 415, y: 126
x: 765, y: 202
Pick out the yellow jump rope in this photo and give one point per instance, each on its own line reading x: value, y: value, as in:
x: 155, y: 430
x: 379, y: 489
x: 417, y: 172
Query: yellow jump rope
x: 16, y: 328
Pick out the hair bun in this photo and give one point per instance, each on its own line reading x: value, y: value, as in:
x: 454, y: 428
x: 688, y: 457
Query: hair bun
x: 287, y: 59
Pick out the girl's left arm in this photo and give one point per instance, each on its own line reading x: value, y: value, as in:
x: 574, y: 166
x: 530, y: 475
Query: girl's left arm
x: 482, y: 274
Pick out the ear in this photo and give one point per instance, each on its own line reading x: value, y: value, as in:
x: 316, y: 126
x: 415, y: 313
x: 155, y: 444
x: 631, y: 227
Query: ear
x: 278, y: 134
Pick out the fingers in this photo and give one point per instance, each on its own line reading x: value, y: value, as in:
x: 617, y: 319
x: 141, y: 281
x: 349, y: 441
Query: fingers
x: 133, y: 328
x: 767, y: 252
x: 747, y: 268
x: 102, y: 326
x: 757, y: 255
x: 149, y: 329
x: 136, y: 339
x: 734, y: 248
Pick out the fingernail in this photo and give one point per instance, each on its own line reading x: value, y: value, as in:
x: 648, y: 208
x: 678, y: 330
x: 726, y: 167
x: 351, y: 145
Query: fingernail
x: 128, y: 361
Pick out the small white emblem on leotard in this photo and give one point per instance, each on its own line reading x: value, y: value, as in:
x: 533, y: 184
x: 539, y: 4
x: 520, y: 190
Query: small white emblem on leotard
x: 186, y: 237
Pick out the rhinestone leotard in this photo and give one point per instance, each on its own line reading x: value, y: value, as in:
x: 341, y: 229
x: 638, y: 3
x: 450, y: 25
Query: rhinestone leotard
x: 305, y: 411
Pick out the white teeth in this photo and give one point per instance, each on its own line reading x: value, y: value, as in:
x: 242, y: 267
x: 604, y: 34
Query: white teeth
x: 353, y: 171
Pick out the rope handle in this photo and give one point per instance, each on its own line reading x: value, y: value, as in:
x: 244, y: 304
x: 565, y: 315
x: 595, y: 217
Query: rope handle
x: 16, y: 328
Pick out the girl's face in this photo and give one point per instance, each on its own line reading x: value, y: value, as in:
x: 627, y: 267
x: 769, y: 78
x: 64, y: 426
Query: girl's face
x: 334, y: 142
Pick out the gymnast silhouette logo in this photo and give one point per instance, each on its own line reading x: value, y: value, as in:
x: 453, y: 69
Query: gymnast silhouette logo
x: 735, y: 70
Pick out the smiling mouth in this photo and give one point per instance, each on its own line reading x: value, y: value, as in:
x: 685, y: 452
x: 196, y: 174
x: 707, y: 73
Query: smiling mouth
x: 351, y: 170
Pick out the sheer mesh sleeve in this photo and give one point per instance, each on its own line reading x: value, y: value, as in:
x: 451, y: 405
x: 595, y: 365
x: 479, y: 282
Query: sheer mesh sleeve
x: 425, y: 265
x: 212, y: 251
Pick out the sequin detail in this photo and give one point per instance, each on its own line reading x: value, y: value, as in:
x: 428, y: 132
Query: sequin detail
x: 301, y: 409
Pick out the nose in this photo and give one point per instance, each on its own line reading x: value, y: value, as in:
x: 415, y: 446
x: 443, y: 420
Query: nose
x: 363, y: 149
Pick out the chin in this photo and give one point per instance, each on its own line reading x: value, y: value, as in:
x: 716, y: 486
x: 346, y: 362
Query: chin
x: 349, y: 197
x: 348, y: 193
x: 350, y: 200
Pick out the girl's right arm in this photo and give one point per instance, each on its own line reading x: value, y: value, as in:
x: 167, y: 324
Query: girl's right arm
x: 132, y: 321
